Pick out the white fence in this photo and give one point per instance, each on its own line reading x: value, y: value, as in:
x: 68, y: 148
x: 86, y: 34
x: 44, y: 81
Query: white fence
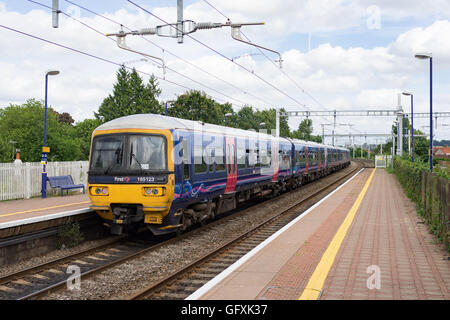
x: 23, y: 181
x: 382, y: 161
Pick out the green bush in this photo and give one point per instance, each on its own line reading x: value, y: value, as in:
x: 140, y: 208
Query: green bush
x: 410, y: 176
x: 428, y: 204
x: 69, y: 235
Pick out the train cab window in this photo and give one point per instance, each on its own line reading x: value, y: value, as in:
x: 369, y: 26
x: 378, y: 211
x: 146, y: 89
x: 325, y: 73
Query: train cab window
x: 107, y: 152
x: 147, y: 152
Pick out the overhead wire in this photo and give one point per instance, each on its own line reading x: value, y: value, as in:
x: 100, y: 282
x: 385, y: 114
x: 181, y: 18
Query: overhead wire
x: 98, y: 58
x: 221, y: 54
x: 172, y: 54
x: 160, y: 65
x: 273, y: 63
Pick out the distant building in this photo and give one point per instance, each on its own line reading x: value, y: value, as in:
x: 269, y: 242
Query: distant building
x: 441, y: 152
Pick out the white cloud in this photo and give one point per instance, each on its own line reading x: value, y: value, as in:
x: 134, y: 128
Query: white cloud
x: 338, y: 77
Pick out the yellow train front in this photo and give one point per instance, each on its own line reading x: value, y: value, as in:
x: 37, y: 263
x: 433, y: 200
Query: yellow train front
x: 130, y: 178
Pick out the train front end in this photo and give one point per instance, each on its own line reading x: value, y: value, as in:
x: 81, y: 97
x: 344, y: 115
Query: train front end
x: 130, y: 179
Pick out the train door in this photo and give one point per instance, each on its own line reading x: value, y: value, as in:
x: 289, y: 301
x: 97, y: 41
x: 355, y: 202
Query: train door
x: 319, y: 157
x: 275, y: 160
x: 306, y: 159
x: 185, y: 154
x: 230, y: 149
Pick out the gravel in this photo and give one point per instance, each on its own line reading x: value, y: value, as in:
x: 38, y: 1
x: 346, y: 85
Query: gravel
x: 121, y: 281
x: 57, y: 254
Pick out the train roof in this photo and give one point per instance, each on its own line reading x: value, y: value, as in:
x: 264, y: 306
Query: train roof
x: 156, y: 121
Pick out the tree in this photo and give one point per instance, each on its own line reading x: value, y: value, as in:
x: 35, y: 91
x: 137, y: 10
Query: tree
x: 196, y: 105
x: 84, y: 131
x: 421, y: 144
x: 25, y: 124
x: 130, y: 96
x: 304, y: 132
x: 64, y: 117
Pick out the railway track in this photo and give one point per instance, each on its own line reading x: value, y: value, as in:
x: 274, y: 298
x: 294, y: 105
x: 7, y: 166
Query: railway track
x: 46, y: 277
x: 185, y: 281
x: 38, y: 281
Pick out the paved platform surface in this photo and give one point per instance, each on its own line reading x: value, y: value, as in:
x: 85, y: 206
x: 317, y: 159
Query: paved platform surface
x: 385, y: 253
x: 36, y: 207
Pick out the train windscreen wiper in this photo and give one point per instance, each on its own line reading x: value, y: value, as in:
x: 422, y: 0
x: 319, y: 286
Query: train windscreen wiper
x: 135, y: 158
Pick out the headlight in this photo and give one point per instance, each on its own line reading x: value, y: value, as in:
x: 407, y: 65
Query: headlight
x: 153, y: 191
x: 99, y: 191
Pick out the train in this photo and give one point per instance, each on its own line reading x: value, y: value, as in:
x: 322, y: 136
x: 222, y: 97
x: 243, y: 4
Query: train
x: 168, y: 174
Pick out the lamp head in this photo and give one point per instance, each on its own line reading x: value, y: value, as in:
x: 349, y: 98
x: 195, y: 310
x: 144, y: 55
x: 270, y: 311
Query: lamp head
x: 406, y: 93
x: 228, y: 114
x: 423, y: 56
x: 52, y: 72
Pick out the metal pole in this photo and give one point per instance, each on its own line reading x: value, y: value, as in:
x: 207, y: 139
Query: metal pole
x: 412, y: 129
x: 431, y: 114
x: 180, y: 20
x: 277, y: 122
x: 403, y: 134
x: 334, y: 125
x: 392, y: 151
x: 55, y: 13
x: 166, y: 108
x: 323, y: 133
x: 409, y: 142
x: 43, y: 156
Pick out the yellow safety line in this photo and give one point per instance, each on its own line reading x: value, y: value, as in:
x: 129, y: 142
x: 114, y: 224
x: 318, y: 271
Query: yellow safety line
x: 315, y: 284
x: 42, y: 209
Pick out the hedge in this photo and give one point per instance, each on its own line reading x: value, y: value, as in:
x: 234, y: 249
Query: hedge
x: 431, y: 193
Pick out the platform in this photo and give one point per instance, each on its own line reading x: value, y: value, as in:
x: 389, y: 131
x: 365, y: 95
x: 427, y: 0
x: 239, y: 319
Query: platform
x: 18, y: 212
x: 363, y: 241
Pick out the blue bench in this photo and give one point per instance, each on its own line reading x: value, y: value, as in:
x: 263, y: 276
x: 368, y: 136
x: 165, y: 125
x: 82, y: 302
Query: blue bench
x: 64, y: 182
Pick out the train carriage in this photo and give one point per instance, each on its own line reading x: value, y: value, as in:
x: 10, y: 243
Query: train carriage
x: 167, y: 173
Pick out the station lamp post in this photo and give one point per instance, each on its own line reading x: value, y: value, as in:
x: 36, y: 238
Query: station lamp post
x: 227, y: 115
x: 45, y: 149
x: 424, y: 56
x: 412, y: 123
x: 262, y: 125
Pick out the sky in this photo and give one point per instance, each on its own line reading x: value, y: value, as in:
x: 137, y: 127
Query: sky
x: 336, y: 55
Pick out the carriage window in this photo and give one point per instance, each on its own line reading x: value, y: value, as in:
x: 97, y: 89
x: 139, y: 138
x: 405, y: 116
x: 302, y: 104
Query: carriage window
x: 185, y: 158
x: 199, y: 161
x: 219, y: 159
x: 241, y: 156
x: 232, y: 156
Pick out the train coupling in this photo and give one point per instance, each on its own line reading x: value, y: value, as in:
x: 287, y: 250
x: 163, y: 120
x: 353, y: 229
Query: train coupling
x: 125, y: 216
